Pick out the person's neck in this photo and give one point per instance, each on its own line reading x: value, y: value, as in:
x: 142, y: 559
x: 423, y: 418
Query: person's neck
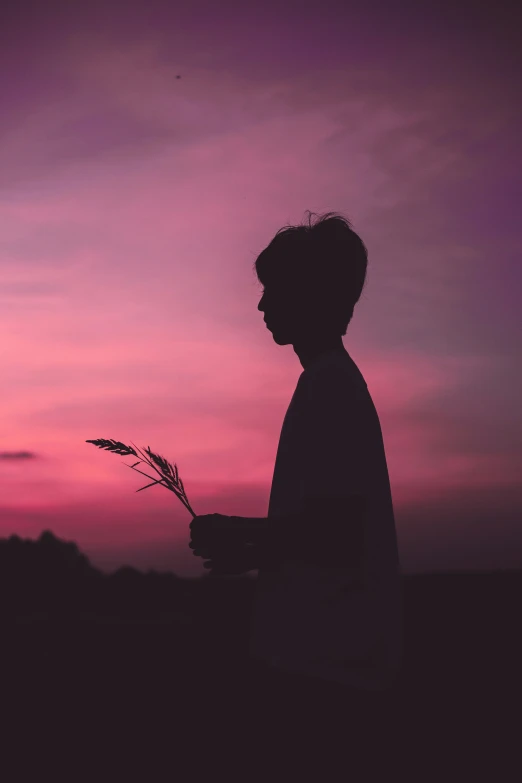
x: 309, y: 352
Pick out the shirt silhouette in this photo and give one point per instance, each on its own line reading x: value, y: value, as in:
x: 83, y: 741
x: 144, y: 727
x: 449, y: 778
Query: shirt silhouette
x: 337, y: 623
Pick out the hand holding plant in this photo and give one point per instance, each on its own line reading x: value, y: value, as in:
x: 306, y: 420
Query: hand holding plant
x: 215, y: 536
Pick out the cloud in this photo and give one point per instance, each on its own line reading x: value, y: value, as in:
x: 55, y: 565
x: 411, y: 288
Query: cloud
x: 17, y: 455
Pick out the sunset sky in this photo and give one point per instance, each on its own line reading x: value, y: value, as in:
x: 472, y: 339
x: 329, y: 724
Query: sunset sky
x: 133, y: 204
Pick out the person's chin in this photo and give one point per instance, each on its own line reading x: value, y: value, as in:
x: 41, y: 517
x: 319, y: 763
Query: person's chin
x: 280, y: 337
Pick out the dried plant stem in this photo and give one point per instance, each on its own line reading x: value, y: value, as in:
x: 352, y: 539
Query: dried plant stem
x: 169, y: 477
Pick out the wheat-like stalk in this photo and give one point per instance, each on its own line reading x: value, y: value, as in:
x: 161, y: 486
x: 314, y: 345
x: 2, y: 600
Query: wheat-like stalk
x: 169, y: 474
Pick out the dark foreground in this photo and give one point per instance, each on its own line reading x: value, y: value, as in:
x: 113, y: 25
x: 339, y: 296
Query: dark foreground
x: 144, y: 675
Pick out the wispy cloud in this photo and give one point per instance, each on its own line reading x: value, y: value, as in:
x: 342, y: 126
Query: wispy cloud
x: 17, y: 455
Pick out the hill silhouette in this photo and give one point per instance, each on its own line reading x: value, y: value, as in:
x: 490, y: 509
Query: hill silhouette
x: 185, y: 640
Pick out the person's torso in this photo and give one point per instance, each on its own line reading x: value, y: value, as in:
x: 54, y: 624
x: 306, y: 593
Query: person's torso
x: 312, y: 619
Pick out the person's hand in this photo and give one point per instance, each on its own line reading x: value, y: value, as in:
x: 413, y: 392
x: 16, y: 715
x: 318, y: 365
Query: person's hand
x: 225, y: 542
x: 211, y: 530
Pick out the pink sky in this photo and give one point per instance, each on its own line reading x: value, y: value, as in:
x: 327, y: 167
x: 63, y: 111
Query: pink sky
x: 133, y: 205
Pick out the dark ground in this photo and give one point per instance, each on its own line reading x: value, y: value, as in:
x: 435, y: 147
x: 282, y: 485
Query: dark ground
x: 108, y: 667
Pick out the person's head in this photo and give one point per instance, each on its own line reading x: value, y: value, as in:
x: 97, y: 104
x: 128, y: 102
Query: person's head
x: 312, y: 275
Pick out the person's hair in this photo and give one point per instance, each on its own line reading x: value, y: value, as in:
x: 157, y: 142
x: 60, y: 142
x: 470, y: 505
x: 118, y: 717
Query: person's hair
x: 326, y: 261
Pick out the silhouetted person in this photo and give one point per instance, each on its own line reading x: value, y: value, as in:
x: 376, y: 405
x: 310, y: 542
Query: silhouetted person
x: 326, y: 629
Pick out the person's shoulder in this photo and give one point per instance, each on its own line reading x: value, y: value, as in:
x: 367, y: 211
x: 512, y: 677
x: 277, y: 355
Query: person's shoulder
x: 340, y: 393
x: 342, y: 376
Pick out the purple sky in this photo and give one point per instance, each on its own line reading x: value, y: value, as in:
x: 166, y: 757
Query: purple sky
x: 133, y: 204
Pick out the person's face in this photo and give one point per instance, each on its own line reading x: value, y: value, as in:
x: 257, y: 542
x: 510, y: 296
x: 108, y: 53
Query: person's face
x: 287, y: 315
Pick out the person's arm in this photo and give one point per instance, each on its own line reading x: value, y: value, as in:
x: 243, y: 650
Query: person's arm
x: 326, y: 532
